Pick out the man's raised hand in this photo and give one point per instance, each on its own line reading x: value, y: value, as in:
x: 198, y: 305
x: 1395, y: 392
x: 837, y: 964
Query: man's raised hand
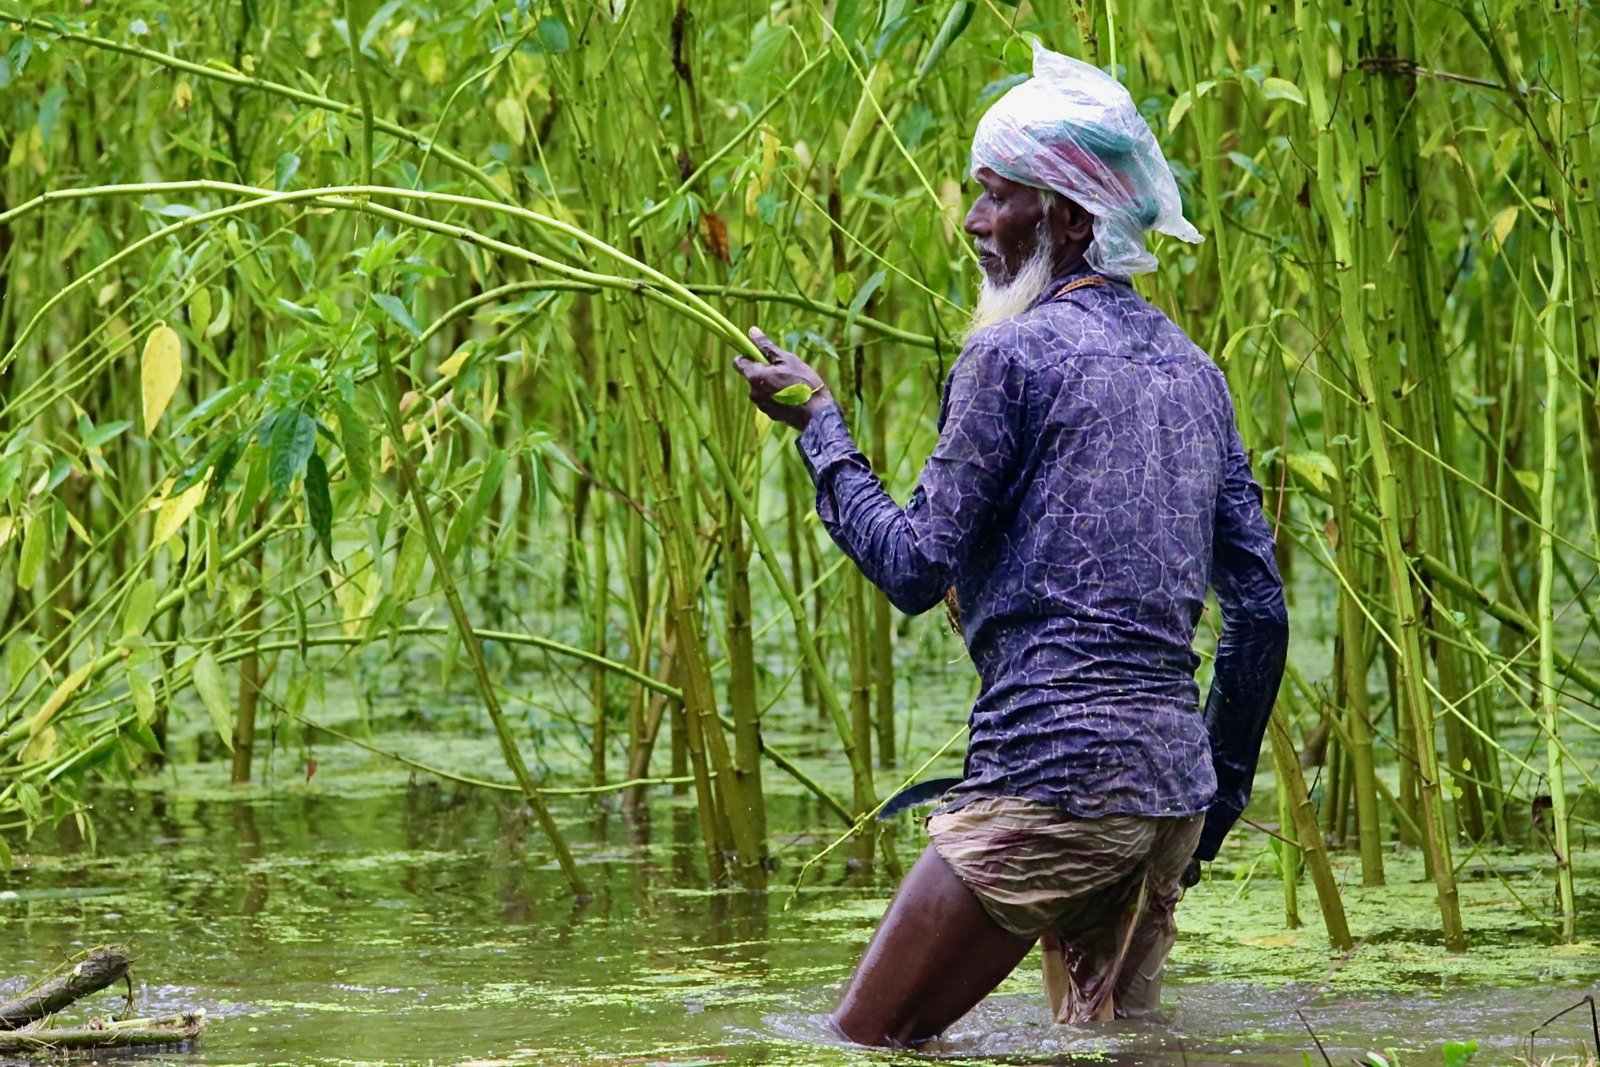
x: 785, y: 388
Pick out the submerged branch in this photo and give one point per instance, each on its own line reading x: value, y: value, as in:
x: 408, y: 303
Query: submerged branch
x: 126, y: 1033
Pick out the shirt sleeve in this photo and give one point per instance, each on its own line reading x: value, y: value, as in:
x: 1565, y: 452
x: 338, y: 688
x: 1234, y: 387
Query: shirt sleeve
x: 913, y: 553
x: 1253, y: 645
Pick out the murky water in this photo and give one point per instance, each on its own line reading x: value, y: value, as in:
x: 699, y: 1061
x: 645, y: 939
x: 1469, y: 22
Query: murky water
x: 354, y: 920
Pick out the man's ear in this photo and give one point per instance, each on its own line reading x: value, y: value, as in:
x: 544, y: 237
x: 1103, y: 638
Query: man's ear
x: 1070, y: 222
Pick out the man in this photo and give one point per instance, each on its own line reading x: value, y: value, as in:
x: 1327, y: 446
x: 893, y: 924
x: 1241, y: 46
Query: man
x: 1088, y: 485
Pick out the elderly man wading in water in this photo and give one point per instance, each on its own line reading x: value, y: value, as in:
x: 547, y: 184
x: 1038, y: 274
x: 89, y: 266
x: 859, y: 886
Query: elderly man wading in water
x: 1088, y: 485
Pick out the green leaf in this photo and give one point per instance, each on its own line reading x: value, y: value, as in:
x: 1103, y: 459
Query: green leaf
x: 197, y: 470
x: 397, y: 311
x: 319, y: 505
x: 143, y: 737
x: 847, y: 19
x: 1249, y: 166
x: 1314, y: 467
x: 955, y: 21
x: 865, y: 294
x: 294, y: 436
x: 50, y: 111
x: 553, y: 36
x: 793, y: 395
x: 758, y: 75
x: 300, y: 311
x: 103, y: 435
x: 376, y: 23
x: 143, y: 694
x: 1280, y: 89
x: 138, y: 609
x: 284, y: 169
x: 408, y: 565
x: 255, y: 481
x: 1459, y: 1053
x: 35, y: 547
x: 28, y: 798
x: 222, y: 468
x: 472, y: 516
x: 223, y: 314
x: 356, y: 441
x: 214, y: 693
x: 218, y: 403
x: 304, y: 262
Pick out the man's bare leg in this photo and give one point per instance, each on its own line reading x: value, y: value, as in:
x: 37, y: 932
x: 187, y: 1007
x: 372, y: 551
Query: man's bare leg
x: 935, y: 955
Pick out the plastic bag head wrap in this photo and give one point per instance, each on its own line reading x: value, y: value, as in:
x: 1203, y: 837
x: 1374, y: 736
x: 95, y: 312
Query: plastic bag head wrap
x: 1073, y: 128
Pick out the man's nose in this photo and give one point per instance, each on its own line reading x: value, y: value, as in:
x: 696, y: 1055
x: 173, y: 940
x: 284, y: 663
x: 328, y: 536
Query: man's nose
x: 977, y: 222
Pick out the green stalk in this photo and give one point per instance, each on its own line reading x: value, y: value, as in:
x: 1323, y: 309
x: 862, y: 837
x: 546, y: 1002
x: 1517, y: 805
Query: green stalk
x: 1549, y: 693
x: 861, y: 771
x: 358, y: 73
x: 465, y: 632
x: 1411, y: 666
x: 1297, y: 799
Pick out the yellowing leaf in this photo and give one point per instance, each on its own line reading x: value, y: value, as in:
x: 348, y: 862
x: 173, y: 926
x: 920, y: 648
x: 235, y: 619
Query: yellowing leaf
x: 1180, y: 108
x: 866, y: 113
x: 39, y: 745
x: 434, y: 64
x: 77, y: 527
x: 452, y: 366
x: 952, y: 200
x: 1502, y: 225
x: 159, y: 372
x: 1314, y: 467
x: 57, y: 699
x: 119, y: 338
x: 175, y: 511
x: 7, y: 525
x: 182, y: 95
x: 214, y: 692
x: 508, y: 113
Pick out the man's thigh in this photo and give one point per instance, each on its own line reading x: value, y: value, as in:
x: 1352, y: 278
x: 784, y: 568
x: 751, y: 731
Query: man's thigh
x: 934, y: 956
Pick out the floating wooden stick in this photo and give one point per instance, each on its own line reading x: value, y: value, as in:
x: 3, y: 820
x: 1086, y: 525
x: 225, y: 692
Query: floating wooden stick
x: 100, y: 968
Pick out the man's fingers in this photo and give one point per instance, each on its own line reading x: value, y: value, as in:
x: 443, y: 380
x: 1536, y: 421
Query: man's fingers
x: 773, y: 353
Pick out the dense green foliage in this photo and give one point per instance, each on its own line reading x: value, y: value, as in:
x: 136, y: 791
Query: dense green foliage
x: 317, y: 343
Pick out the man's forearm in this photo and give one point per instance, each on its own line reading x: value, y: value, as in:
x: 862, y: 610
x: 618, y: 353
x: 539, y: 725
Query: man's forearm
x: 1244, y: 686
x: 863, y: 519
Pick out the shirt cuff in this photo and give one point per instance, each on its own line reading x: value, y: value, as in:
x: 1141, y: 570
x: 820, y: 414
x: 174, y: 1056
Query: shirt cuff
x: 825, y: 443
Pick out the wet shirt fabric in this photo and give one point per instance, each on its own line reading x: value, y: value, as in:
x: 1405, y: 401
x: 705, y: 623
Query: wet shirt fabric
x: 1088, y: 485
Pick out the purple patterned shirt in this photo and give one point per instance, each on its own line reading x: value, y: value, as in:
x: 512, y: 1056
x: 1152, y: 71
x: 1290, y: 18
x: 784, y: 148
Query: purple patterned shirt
x: 1088, y: 485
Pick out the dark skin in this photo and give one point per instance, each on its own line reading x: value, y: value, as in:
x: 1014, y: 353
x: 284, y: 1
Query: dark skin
x: 937, y: 952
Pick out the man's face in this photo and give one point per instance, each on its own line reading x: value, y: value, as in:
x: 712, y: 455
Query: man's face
x: 1005, y: 222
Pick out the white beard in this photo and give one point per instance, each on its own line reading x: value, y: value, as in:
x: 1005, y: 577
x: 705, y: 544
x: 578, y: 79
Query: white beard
x: 996, y: 303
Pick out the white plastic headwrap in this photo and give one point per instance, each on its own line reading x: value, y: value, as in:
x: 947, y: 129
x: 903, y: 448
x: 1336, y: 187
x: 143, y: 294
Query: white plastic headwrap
x: 1073, y: 128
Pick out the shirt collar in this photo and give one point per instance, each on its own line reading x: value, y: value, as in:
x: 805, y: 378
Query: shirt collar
x: 1082, y: 270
